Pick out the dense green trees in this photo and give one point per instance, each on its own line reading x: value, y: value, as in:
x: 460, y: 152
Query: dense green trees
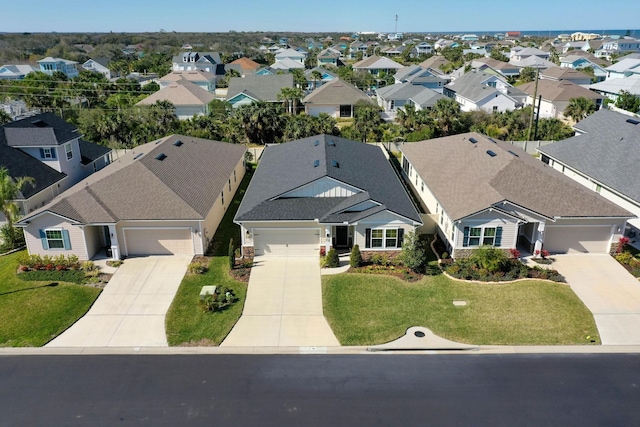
x: 628, y: 101
x: 579, y: 108
x: 9, y: 190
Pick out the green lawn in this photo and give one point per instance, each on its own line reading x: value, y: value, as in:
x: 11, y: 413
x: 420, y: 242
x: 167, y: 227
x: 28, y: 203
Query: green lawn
x: 32, y: 313
x: 366, y: 309
x: 186, y: 323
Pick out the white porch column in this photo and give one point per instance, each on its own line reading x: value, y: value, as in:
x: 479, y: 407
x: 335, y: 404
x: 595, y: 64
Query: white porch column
x: 539, y: 236
x: 115, y: 246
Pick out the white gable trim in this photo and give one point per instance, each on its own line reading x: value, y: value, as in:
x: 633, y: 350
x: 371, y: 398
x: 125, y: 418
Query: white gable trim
x: 24, y: 222
x: 402, y: 217
x: 301, y: 189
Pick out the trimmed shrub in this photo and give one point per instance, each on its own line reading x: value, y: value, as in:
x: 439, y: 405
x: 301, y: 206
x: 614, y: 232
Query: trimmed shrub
x: 355, y: 259
x: 413, y: 254
x: 197, y: 267
x: 73, y: 276
x: 332, y: 260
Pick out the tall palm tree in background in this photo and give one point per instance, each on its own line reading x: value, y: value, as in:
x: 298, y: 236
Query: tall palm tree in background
x: 316, y: 76
x: 579, y: 108
x: 9, y: 191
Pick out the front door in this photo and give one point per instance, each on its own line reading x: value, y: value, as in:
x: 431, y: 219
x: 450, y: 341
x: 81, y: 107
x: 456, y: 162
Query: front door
x: 342, y: 236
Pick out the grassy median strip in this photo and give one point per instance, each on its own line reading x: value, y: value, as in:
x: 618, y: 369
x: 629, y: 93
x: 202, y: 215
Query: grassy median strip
x: 187, y: 323
x: 34, y: 312
x: 366, y: 309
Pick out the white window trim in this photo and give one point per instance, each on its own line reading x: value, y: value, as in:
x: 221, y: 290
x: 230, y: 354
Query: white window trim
x: 47, y: 152
x: 482, y: 236
x: 384, y: 238
x: 69, y: 151
x: 61, y: 239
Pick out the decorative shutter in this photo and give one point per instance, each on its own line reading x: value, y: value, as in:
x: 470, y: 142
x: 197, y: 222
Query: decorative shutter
x: 42, y: 153
x: 465, y: 239
x: 367, y: 242
x: 400, y: 237
x: 498, y: 239
x: 66, y: 240
x: 53, y: 153
x: 43, y: 238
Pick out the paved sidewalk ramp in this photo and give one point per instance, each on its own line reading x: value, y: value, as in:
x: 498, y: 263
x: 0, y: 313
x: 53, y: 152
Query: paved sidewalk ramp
x: 131, y: 309
x: 609, y: 291
x: 283, y: 306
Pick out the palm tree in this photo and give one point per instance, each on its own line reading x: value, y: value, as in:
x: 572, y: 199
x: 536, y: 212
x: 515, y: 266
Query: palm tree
x: 290, y: 96
x: 446, y: 112
x: 9, y: 191
x: 316, y: 76
x: 366, y: 119
x: 579, y: 108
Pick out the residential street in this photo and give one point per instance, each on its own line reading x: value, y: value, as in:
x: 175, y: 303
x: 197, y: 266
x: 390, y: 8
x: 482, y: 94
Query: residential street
x: 280, y: 390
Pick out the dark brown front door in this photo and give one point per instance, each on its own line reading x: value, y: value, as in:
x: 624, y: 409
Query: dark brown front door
x: 342, y: 237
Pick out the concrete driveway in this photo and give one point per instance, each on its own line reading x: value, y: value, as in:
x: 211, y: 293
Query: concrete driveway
x: 609, y: 291
x: 130, y: 311
x: 283, y: 306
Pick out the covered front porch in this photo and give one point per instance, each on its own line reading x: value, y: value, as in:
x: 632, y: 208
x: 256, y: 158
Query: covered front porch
x: 530, y: 237
x: 102, y: 242
x: 339, y: 236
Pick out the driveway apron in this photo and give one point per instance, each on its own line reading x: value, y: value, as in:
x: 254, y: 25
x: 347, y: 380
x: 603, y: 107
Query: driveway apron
x: 131, y: 309
x: 609, y: 291
x: 283, y: 306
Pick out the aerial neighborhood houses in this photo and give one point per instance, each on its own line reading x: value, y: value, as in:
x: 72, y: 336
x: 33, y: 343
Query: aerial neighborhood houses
x: 316, y: 193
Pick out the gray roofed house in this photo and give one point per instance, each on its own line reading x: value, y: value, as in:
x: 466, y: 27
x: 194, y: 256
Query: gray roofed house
x: 566, y: 73
x: 51, y: 151
x: 336, y: 98
x: 245, y: 90
x: 166, y: 196
x: 322, y: 192
x: 326, y: 76
x: 602, y: 156
x: 377, y: 64
x: 557, y: 95
x: 396, y: 96
x: 16, y: 72
x: 477, y: 90
x: 485, y: 191
x: 612, y: 88
x: 99, y: 65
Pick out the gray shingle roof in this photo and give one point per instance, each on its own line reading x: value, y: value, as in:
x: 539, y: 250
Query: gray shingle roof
x: 336, y: 92
x: 609, y: 151
x: 289, y: 166
x: 262, y: 88
x: 465, y: 179
x: 90, y: 151
x: 44, y: 129
x: 21, y: 164
x: 137, y: 186
x: 471, y: 86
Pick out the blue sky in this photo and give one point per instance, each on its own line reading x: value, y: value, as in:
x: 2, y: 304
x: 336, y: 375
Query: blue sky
x: 315, y: 16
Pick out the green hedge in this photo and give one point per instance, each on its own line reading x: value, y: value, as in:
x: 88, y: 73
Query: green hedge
x: 72, y: 276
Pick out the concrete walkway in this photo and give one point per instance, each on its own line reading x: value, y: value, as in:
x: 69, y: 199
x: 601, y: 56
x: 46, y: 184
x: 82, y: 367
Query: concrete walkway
x: 283, y: 306
x: 609, y: 291
x: 131, y: 309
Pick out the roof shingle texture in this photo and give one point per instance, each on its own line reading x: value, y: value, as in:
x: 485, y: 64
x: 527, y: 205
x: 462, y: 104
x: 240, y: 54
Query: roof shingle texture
x: 336, y: 92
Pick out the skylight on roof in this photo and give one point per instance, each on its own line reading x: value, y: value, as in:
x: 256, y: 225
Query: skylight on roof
x: 513, y: 154
x: 335, y: 164
x: 633, y: 121
x: 332, y: 143
x: 161, y: 156
x: 178, y: 143
x: 473, y: 140
x: 316, y: 143
x: 491, y: 153
x: 493, y: 140
x: 138, y: 156
x: 316, y: 163
x: 39, y: 123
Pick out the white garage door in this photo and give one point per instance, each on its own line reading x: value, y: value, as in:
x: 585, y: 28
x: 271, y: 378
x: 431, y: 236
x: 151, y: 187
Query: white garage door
x: 159, y: 241
x: 287, y: 242
x: 577, y: 239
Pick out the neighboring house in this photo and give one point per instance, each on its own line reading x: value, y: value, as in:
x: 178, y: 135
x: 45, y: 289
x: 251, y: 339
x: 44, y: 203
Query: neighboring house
x: 556, y: 96
x: 442, y: 43
x: 612, y: 88
x: 99, y: 65
x: 377, y: 64
x: 206, y: 61
x: 417, y: 75
x: 326, y: 77
x: 618, y: 47
x: 249, y: 89
x: 435, y: 64
x: 187, y: 98
x: 476, y: 90
x: 51, y: 151
x: 624, y: 68
x: 163, y: 197
x: 290, y: 54
x: 469, y: 38
x: 603, y: 157
x: 568, y: 74
x: 493, y: 66
x: 336, y: 98
x: 481, y: 191
x: 329, y: 56
x: 202, y: 79
x: 357, y: 47
x: 287, y: 64
x: 16, y: 72
x: 50, y: 65
x: 396, y: 96
x: 578, y: 62
x: 532, y: 62
x: 576, y: 45
x: 248, y: 66
x: 322, y: 192
x: 423, y: 48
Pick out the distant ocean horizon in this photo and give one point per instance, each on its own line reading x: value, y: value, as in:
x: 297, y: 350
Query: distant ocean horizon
x: 540, y: 33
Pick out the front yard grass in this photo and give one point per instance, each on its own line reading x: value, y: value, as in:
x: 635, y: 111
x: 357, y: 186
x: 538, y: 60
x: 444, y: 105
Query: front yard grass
x: 365, y: 309
x: 34, y: 312
x: 186, y: 322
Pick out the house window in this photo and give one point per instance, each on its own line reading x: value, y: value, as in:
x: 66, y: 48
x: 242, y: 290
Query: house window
x: 55, y: 239
x: 598, y: 188
x: 477, y: 236
x: 391, y: 238
x: 376, y: 238
x: 381, y: 238
x: 222, y: 197
x: 229, y: 184
x: 345, y: 111
x: 234, y: 176
x: 47, y: 153
x: 495, y: 107
x: 69, y: 151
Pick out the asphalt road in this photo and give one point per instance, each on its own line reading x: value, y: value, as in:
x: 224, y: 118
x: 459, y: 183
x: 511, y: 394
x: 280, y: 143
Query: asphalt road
x: 311, y: 390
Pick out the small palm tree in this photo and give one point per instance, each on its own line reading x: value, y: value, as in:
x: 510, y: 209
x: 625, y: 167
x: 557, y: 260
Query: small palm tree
x: 9, y: 191
x: 316, y: 76
x: 579, y: 108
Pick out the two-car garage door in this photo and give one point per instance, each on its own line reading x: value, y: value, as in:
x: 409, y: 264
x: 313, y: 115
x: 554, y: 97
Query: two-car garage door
x: 159, y: 241
x: 287, y: 242
x: 565, y: 239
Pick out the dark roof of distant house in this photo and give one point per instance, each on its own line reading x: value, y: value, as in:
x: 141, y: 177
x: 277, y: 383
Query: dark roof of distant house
x: 289, y: 166
x: 465, y: 179
x: 262, y: 88
x: 41, y: 130
x: 90, y: 151
x: 183, y: 185
x: 608, y: 151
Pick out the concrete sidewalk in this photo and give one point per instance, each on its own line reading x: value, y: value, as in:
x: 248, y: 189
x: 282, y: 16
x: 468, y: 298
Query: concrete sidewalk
x: 283, y: 306
x: 131, y: 309
x: 609, y: 291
